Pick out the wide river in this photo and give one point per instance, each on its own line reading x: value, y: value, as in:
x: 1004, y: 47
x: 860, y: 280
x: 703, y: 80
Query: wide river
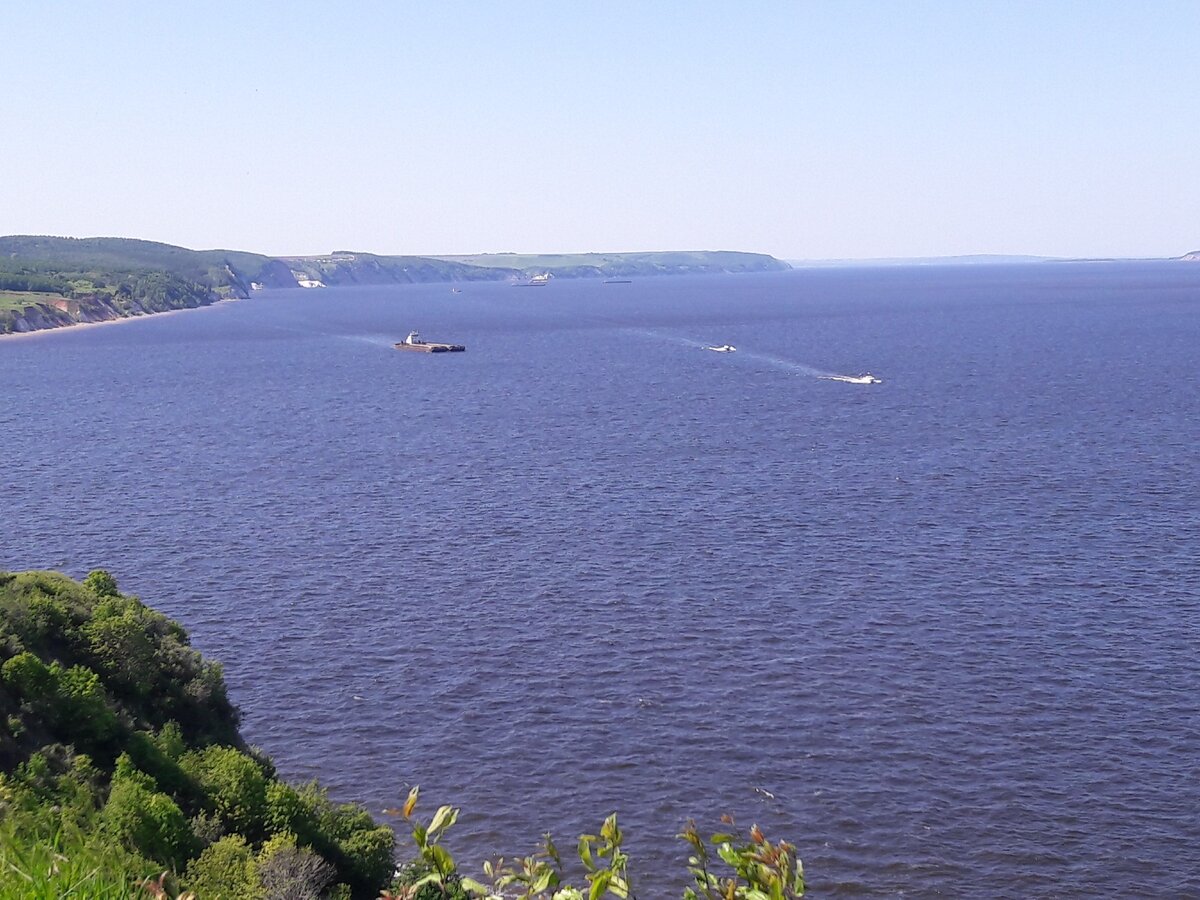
x: 941, y: 632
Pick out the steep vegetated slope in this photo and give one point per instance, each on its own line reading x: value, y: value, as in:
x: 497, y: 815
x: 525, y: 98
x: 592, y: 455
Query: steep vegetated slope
x: 120, y: 760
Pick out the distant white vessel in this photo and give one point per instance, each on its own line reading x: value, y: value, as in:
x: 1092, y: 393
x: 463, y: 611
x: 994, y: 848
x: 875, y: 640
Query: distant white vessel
x: 724, y: 348
x: 865, y: 378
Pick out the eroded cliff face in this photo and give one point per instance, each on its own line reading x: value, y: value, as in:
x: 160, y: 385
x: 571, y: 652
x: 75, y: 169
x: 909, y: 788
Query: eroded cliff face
x: 35, y: 317
x: 52, y: 314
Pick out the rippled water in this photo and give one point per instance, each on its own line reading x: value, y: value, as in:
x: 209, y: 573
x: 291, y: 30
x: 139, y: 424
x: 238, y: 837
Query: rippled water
x: 941, y: 632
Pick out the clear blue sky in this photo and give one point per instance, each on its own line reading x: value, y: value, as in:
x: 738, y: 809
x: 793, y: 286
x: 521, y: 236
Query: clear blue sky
x: 802, y: 129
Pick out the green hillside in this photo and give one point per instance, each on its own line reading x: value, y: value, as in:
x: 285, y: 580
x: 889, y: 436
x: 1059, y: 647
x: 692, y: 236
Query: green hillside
x: 224, y: 271
x: 110, y: 278
x: 346, y: 267
x: 120, y: 759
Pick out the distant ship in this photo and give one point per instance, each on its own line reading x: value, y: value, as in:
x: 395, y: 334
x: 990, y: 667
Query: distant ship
x: 540, y: 280
x: 865, y: 378
x: 724, y: 348
x: 414, y: 342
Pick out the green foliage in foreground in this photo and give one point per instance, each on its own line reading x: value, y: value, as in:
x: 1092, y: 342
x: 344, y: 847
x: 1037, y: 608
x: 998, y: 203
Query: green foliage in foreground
x: 122, y: 775
x: 121, y: 765
x: 758, y: 869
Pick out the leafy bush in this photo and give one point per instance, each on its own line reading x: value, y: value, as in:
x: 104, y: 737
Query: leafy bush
x: 234, y: 785
x: 91, y: 674
x: 145, y: 820
x: 225, y: 871
x: 71, y: 701
x: 761, y: 870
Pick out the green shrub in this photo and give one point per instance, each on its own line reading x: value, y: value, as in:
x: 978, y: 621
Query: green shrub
x: 225, y: 871
x: 71, y: 701
x: 370, y: 857
x: 286, y: 811
x: 234, y: 785
x: 146, y: 820
x: 101, y: 583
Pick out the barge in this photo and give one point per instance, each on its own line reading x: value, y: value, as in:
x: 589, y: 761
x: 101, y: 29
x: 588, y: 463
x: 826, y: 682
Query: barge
x: 414, y: 342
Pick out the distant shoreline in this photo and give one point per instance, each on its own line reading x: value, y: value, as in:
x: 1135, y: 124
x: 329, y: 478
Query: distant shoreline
x: 119, y: 320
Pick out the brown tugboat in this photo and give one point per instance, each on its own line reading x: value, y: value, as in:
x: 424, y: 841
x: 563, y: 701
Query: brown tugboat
x: 414, y: 342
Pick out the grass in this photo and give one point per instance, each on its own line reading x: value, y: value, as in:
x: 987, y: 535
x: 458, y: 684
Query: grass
x: 18, y: 300
x: 63, y: 864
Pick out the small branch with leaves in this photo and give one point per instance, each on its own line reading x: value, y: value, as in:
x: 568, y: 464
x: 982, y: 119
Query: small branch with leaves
x: 761, y: 870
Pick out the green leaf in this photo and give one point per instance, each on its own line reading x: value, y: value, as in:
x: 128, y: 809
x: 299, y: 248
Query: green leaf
x: 600, y: 885
x: 427, y: 879
x: 552, y: 851
x: 475, y: 887
x: 609, y: 830
x: 442, y: 858
x: 585, y: 852
x: 442, y: 819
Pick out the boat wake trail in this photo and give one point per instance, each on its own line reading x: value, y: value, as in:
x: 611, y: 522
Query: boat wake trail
x: 372, y: 339
x: 787, y: 365
x: 665, y: 336
x: 777, y: 362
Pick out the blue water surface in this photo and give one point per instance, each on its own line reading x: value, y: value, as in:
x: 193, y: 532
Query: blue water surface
x: 941, y: 632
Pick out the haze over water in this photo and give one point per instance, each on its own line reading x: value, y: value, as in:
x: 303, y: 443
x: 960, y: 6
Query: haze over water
x: 941, y: 632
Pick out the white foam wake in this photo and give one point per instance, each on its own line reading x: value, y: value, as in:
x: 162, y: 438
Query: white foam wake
x: 787, y: 365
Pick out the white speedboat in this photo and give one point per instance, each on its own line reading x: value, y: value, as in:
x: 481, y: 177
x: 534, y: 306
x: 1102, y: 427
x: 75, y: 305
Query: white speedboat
x: 724, y: 348
x: 865, y: 378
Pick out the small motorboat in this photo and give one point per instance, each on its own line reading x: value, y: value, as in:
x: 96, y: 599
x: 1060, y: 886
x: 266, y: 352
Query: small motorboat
x: 865, y: 378
x: 724, y: 348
